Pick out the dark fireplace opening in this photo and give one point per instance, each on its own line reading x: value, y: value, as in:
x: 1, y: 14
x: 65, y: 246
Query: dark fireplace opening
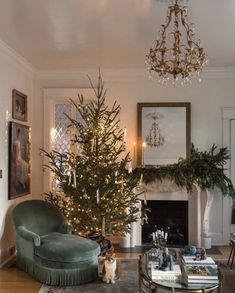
x: 167, y: 215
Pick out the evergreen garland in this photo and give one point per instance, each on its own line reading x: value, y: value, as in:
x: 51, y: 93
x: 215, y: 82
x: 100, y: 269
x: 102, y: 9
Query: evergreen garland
x: 204, y: 168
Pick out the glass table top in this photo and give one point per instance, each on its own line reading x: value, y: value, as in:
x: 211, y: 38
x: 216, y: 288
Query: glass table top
x: 146, y: 269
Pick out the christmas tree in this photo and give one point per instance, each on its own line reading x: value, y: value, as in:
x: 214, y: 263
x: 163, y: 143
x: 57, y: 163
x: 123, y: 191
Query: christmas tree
x: 96, y: 189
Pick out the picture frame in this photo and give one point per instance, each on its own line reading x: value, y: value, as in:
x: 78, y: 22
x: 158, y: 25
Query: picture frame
x: 19, y: 106
x: 19, y: 177
x: 163, y: 133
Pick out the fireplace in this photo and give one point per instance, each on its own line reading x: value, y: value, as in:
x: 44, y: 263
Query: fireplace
x: 170, y: 215
x: 192, y: 220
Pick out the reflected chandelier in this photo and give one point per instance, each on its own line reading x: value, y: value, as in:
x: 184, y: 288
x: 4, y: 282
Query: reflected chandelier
x: 154, y: 138
x: 176, y: 56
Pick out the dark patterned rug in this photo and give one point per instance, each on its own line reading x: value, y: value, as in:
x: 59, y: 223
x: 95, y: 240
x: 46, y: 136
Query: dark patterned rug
x: 129, y: 281
x: 228, y: 276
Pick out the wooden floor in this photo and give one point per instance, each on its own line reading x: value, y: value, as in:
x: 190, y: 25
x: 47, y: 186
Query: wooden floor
x: 12, y: 280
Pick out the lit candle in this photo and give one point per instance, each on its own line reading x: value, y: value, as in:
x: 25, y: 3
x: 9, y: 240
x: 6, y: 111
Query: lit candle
x: 141, y: 179
x: 134, y: 154
x: 129, y: 168
x: 92, y: 144
x: 122, y: 186
x: 166, y: 234
x: 116, y: 173
x: 97, y: 196
x: 154, y: 236
x: 74, y: 179
x: 144, y: 145
x: 69, y: 173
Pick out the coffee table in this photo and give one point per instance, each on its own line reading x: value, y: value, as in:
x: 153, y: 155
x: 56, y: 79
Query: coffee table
x: 148, y: 285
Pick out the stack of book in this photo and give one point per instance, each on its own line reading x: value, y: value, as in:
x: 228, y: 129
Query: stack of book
x: 173, y: 275
x: 199, y: 271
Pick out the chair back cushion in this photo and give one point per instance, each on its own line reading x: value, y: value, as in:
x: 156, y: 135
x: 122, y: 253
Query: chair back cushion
x: 38, y: 216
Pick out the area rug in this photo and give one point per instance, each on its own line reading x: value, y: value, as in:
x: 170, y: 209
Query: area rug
x: 228, y: 276
x: 128, y: 282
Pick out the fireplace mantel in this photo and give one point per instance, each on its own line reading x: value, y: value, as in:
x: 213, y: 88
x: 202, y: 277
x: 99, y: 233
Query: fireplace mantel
x: 199, y: 212
x: 166, y: 186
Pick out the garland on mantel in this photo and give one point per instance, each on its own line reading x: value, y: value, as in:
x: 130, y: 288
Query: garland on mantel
x: 202, y: 168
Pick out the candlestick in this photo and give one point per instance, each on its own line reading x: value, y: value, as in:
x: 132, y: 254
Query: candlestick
x: 134, y: 154
x: 145, y: 199
x: 154, y: 237
x: 141, y: 179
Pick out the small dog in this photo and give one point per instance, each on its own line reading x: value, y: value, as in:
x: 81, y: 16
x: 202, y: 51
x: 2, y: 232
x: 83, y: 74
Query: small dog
x: 111, y: 269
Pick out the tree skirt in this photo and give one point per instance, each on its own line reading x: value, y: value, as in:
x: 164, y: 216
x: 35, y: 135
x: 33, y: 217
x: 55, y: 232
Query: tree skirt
x: 128, y: 282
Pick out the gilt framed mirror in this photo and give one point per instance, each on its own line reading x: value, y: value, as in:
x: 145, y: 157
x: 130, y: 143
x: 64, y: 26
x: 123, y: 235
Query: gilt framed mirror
x: 164, y: 133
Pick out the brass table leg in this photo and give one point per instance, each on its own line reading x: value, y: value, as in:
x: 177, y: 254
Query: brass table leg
x: 230, y: 255
x: 221, y: 287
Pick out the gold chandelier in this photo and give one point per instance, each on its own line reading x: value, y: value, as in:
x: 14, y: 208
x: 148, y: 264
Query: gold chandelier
x: 176, y: 56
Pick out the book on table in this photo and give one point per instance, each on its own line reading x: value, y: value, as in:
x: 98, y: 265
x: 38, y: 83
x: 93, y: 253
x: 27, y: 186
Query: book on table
x: 174, y: 274
x: 201, y: 272
x: 200, y: 275
x: 191, y: 260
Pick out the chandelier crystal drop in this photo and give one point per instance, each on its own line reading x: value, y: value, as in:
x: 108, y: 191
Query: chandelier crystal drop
x: 176, y: 56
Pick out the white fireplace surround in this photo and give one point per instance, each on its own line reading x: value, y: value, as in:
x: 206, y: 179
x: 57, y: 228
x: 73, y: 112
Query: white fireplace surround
x: 199, y: 208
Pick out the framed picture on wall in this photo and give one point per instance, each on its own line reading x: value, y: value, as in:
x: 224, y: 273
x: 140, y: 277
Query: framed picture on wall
x: 163, y: 133
x: 19, y: 160
x: 19, y: 106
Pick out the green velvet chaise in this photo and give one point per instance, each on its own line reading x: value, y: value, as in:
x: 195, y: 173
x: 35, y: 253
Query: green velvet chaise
x: 46, y: 249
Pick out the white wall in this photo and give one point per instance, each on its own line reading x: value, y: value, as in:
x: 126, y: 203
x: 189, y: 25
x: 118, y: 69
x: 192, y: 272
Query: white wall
x: 130, y: 87
x: 15, y: 73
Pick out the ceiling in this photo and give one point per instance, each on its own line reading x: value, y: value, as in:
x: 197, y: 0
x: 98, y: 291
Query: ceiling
x: 72, y: 34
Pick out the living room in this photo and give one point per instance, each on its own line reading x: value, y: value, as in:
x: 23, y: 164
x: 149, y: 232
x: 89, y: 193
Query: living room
x: 47, y: 52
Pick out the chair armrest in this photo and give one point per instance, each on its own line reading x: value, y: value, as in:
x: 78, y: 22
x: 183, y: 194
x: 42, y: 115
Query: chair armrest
x: 65, y: 228
x: 29, y: 235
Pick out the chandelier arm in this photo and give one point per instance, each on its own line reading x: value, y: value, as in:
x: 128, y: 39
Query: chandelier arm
x: 165, y: 26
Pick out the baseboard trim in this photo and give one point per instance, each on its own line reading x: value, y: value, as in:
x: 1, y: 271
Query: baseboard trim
x: 8, y: 262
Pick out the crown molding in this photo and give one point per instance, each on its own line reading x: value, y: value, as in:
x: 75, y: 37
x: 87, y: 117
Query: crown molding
x: 83, y: 73
x: 125, y: 75
x: 20, y: 60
